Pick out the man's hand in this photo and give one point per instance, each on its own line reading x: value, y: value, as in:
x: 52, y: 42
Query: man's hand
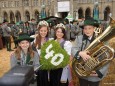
x: 84, y: 55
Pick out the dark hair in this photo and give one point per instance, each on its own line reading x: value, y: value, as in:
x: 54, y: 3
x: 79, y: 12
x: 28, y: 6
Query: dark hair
x: 63, y: 31
x: 26, y: 22
x: 32, y: 19
x: 67, y: 21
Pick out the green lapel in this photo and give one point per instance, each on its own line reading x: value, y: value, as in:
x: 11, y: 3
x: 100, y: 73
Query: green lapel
x: 28, y: 58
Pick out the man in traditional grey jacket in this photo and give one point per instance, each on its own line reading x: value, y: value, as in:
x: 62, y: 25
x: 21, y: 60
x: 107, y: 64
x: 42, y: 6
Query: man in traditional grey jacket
x: 15, y: 32
x: 75, y: 30
x: 68, y: 27
x: 79, y: 52
x: 33, y: 26
x: 7, y: 35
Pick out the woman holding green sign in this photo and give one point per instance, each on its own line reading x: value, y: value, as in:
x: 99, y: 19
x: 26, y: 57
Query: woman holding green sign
x: 41, y: 38
x: 60, y: 76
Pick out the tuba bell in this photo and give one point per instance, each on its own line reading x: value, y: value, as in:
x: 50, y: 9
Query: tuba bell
x: 101, y: 53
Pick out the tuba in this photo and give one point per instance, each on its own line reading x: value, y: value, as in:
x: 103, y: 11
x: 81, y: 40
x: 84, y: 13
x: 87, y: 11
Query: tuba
x: 101, y: 53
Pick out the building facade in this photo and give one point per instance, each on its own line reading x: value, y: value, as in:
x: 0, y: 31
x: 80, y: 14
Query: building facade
x: 25, y: 10
x: 105, y: 8
x: 89, y: 8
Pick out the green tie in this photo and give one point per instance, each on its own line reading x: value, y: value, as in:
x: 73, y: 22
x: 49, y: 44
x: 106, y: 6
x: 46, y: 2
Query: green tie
x: 28, y: 59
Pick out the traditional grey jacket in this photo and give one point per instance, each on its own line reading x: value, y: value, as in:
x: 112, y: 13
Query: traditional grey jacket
x: 81, y: 44
x: 6, y: 30
x: 68, y: 28
x: 15, y: 30
x: 75, y: 31
x: 33, y: 61
x: 33, y: 27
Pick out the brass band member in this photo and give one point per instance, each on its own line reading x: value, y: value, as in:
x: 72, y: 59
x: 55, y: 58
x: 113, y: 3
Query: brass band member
x: 78, y: 51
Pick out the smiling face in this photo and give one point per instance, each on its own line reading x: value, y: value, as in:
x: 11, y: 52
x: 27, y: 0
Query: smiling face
x: 24, y: 44
x: 43, y: 31
x: 88, y: 30
x: 59, y: 33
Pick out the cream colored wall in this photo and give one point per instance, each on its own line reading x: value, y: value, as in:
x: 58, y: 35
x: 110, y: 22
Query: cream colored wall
x: 102, y: 7
x: 53, y: 8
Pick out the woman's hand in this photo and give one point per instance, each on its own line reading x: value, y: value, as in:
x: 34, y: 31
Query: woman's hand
x: 84, y: 55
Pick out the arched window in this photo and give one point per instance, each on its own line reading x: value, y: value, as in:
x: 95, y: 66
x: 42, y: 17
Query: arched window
x: 80, y: 13
x: 27, y: 16
x: 106, y: 13
x: 18, y: 16
x: 87, y: 13
x: 12, y: 19
x: 36, y: 15
x: 5, y: 16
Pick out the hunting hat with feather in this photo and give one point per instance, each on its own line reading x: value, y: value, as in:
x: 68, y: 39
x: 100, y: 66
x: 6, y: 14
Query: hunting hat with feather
x: 92, y: 22
x: 23, y: 36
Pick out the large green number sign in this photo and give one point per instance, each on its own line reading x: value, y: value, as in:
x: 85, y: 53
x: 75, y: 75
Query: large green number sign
x: 53, y: 56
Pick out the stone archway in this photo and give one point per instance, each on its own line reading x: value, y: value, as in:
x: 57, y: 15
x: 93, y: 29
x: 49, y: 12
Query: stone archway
x: 18, y: 16
x: 27, y: 16
x: 5, y: 16
x: 80, y: 13
x: 12, y: 18
x: 87, y: 13
x: 36, y: 15
x: 106, y: 13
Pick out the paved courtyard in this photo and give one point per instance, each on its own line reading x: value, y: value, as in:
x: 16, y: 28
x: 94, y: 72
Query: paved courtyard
x: 109, y: 80
x: 4, y: 61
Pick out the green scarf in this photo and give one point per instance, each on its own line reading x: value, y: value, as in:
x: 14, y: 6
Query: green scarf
x: 28, y: 59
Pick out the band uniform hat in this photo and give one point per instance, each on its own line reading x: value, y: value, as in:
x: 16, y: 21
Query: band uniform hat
x: 21, y: 22
x: 75, y: 20
x: 91, y: 22
x: 23, y: 36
